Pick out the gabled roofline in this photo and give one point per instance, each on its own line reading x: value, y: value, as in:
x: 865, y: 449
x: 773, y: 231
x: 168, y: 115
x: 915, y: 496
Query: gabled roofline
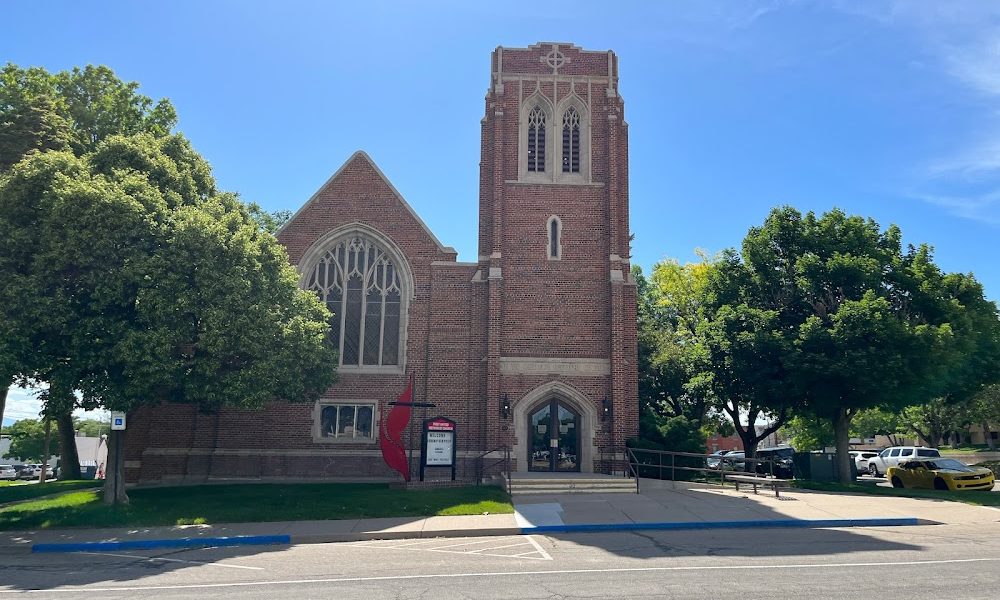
x: 406, y: 205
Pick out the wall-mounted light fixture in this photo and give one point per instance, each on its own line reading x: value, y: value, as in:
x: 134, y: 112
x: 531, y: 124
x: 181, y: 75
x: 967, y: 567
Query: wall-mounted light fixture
x: 505, y: 407
x: 605, y: 409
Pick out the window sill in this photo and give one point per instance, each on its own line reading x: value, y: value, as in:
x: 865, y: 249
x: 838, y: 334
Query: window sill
x: 567, y: 182
x: 370, y: 370
x: 346, y: 441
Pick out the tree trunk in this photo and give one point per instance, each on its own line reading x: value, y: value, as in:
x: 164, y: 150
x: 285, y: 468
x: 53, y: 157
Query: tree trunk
x: 69, y: 459
x: 114, y: 480
x: 3, y: 401
x: 750, y: 450
x: 750, y: 441
x: 45, y: 450
x: 748, y: 436
x: 841, y: 431
x: 988, y: 435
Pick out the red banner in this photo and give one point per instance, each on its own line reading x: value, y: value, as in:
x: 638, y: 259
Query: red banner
x: 391, y: 428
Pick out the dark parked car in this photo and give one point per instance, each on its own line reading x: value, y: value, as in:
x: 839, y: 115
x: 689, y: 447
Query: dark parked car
x: 713, y: 461
x: 734, y: 461
x: 776, y: 461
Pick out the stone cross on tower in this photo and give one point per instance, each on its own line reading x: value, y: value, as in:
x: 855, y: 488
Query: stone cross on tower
x: 555, y: 59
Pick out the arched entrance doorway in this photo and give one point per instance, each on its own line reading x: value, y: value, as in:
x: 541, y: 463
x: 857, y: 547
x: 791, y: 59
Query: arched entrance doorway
x: 528, y: 438
x: 554, y: 432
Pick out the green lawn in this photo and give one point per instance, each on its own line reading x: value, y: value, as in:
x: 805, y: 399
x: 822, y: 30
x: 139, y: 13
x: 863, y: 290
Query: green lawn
x: 964, y: 449
x: 252, y: 503
x: 969, y: 497
x: 15, y: 491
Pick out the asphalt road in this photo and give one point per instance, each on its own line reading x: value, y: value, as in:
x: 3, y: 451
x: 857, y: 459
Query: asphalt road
x: 898, y: 562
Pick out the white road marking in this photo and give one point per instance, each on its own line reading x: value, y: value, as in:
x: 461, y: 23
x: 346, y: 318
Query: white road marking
x: 177, y: 560
x: 545, y: 555
x: 196, y: 586
x: 486, y: 541
x: 487, y: 551
x: 391, y: 544
x: 497, y: 548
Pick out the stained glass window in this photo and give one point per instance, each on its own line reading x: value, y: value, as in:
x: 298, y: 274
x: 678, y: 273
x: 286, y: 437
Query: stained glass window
x: 536, y: 140
x: 361, y: 286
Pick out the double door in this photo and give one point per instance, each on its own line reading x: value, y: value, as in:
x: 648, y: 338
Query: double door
x: 554, y: 430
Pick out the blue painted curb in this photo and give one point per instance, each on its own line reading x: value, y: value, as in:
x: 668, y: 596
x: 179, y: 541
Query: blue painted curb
x: 239, y: 540
x: 680, y: 526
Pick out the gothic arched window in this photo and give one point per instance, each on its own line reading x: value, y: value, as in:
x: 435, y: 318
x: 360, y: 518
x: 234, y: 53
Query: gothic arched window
x: 361, y: 286
x: 571, y: 141
x: 536, y: 140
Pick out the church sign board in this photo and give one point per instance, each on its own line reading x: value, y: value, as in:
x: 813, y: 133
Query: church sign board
x: 438, y: 445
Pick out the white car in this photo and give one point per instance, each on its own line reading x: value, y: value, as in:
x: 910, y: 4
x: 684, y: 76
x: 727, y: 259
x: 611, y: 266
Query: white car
x: 34, y: 471
x: 861, y: 458
x: 891, y: 457
x: 8, y: 472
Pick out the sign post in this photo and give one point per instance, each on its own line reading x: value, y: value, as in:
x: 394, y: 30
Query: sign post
x: 437, y: 447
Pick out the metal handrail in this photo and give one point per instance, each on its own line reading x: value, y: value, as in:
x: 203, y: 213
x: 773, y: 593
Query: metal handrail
x: 482, y: 467
x: 635, y: 466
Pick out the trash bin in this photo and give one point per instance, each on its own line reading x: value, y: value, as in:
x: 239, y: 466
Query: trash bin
x: 818, y: 466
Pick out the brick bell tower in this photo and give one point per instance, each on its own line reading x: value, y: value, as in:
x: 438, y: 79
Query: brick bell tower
x: 560, y: 304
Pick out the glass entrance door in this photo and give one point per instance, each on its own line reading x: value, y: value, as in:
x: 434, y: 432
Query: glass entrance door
x: 555, y: 441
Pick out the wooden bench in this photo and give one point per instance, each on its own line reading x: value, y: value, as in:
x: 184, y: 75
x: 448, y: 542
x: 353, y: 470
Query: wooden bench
x: 755, y: 481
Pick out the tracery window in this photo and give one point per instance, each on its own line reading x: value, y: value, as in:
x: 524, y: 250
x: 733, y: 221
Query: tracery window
x: 536, y: 140
x: 361, y: 286
x: 571, y: 141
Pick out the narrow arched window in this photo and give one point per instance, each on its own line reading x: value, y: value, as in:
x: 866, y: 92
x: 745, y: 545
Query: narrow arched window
x: 361, y: 286
x: 555, y: 230
x: 536, y: 140
x: 571, y: 141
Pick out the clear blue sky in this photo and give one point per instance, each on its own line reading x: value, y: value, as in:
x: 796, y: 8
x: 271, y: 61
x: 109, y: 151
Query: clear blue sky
x: 886, y: 109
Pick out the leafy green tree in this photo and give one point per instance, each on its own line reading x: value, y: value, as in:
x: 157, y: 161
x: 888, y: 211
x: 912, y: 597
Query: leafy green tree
x: 806, y: 433
x: 270, y: 222
x: 92, y: 101
x: 27, y: 441
x: 744, y: 352
x: 855, y: 322
x: 91, y: 427
x: 871, y: 422
x: 671, y: 349
x: 73, y: 223
x: 74, y: 110
x: 158, y: 288
x: 33, y: 125
x: 718, y: 423
x: 930, y: 420
x: 985, y: 410
x: 674, y: 434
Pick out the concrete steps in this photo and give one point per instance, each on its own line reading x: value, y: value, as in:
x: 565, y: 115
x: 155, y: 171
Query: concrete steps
x: 571, y: 485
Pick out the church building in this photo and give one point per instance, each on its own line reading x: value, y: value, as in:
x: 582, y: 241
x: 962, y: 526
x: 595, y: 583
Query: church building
x: 531, y: 347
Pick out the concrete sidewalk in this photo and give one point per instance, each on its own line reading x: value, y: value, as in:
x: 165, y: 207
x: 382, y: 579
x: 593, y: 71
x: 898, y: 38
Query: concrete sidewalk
x: 664, y: 501
x: 297, y: 532
x: 661, y: 505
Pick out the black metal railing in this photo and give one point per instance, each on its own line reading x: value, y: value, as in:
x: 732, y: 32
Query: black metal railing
x: 691, y: 466
x: 495, y: 465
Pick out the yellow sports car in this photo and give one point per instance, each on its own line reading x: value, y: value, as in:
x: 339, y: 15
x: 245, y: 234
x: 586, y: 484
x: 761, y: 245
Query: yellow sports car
x: 940, y: 474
